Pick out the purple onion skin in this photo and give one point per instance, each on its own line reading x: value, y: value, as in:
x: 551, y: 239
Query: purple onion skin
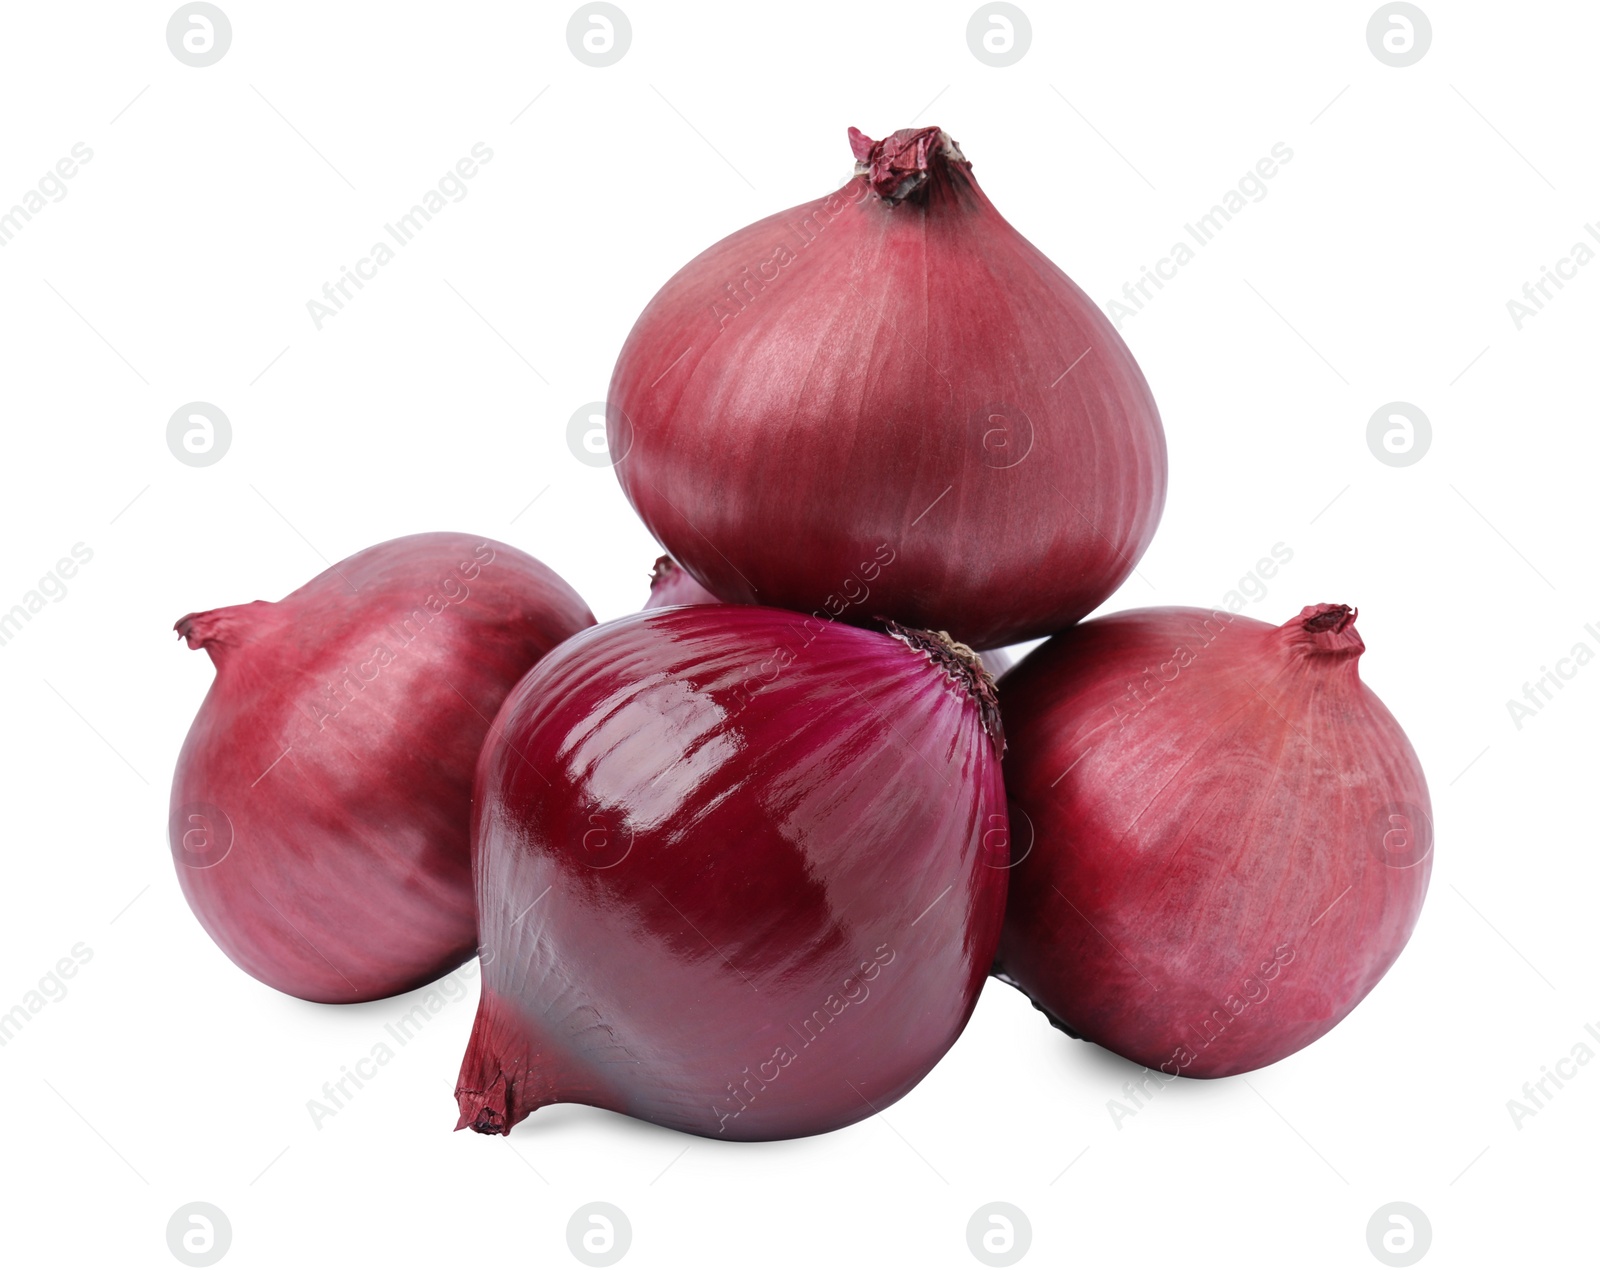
x: 740, y: 873
x: 321, y: 806
x: 1223, y: 838
x: 670, y: 585
x: 905, y: 386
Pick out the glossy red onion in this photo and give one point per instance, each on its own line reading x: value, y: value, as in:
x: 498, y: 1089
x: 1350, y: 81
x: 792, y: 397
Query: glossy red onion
x: 321, y: 806
x: 1223, y: 838
x: 739, y: 873
x: 890, y: 390
x: 669, y: 585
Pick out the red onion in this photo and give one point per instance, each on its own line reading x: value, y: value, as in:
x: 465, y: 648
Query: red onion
x: 669, y: 585
x: 740, y: 872
x: 321, y: 806
x: 896, y: 379
x: 1228, y: 840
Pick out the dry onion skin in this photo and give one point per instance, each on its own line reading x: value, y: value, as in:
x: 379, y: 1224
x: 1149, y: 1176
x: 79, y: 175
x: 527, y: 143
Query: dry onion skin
x: 888, y: 401
x: 321, y: 805
x: 740, y: 873
x: 1223, y: 838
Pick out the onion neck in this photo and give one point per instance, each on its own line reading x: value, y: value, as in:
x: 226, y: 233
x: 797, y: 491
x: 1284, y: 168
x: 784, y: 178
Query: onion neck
x: 963, y: 667
x: 662, y: 572
x: 221, y: 631
x: 1323, y: 632
x: 902, y: 165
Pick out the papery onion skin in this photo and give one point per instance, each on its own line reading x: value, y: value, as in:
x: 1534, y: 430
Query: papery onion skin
x: 997, y: 661
x: 1222, y: 837
x: 321, y: 806
x: 897, y: 379
x: 739, y: 873
x: 670, y: 584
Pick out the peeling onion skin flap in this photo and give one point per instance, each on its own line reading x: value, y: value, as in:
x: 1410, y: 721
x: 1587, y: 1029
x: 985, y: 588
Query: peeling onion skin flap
x: 886, y: 381
x: 740, y: 873
x: 321, y: 807
x: 669, y: 585
x: 1228, y: 837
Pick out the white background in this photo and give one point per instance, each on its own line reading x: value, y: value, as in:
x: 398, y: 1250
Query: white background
x: 177, y: 268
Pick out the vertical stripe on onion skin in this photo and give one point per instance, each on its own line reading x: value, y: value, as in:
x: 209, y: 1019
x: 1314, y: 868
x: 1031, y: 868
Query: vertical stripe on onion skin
x: 1230, y: 835
x: 895, y: 378
x: 740, y: 873
x: 321, y: 807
